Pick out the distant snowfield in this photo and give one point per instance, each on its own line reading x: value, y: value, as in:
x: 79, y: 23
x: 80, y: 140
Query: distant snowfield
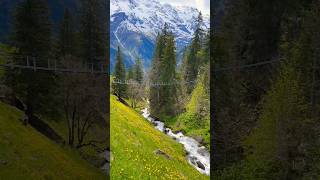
x: 149, y: 16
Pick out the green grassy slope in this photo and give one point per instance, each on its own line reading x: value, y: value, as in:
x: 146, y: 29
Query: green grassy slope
x: 96, y: 132
x: 133, y: 145
x: 27, y: 154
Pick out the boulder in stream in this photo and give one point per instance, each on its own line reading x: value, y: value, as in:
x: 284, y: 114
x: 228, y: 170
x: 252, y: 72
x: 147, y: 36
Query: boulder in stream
x: 166, y: 130
x: 200, y: 165
x: 193, y: 160
x: 179, y: 131
x: 199, y: 139
x: 202, y: 151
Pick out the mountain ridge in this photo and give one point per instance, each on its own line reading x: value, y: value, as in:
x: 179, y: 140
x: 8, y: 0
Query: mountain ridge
x: 135, y: 24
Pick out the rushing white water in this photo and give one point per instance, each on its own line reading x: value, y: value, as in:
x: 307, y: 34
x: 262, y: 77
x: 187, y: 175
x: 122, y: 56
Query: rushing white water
x: 198, y: 156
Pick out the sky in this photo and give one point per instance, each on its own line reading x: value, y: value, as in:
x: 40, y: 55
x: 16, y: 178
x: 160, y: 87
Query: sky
x: 202, y: 5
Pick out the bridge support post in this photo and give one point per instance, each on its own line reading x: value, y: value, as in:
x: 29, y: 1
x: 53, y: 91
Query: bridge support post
x: 34, y: 64
x: 27, y: 61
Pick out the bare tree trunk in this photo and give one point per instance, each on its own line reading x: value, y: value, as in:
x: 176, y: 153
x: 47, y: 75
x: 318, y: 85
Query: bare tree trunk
x: 312, y: 94
x: 73, y: 123
x: 66, y: 109
x: 84, y: 129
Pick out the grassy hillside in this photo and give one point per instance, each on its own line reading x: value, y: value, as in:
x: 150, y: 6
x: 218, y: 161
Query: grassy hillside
x: 97, y: 132
x: 26, y: 154
x: 133, y: 144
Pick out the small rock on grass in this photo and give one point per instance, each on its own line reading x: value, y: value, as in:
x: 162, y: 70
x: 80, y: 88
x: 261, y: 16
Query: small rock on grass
x: 3, y: 162
x: 159, y: 152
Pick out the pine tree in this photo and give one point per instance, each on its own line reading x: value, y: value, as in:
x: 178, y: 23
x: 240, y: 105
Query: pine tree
x: 93, y: 30
x: 32, y: 38
x: 138, y: 71
x: 130, y: 73
x: 119, y: 76
x: 67, y: 34
x: 163, y: 98
x: 192, y: 62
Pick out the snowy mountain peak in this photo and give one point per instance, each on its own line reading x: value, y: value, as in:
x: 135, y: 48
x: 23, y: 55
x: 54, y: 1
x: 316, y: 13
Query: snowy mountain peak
x: 135, y: 24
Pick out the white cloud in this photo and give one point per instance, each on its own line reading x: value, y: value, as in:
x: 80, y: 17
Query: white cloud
x: 202, y: 5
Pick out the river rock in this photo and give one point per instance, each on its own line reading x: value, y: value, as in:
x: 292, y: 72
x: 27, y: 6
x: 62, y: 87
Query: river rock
x: 200, y: 165
x: 154, y: 118
x: 199, y: 139
x: 202, y: 151
x: 166, y: 130
x: 159, y: 152
x: 186, y: 153
x: 193, y: 160
x: 179, y: 131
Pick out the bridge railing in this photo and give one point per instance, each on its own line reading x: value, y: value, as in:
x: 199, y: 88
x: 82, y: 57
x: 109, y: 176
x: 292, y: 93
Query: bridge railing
x: 52, y: 64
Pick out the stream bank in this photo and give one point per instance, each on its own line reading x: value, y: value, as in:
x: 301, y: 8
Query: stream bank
x: 198, y: 156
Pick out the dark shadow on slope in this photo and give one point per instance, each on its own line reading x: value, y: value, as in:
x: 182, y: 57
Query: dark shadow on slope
x: 122, y: 100
x: 45, y: 129
x: 34, y: 121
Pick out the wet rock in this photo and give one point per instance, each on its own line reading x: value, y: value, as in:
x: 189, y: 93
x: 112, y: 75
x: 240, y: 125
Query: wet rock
x: 202, y: 151
x: 159, y: 152
x: 199, y: 139
x: 155, y: 118
x: 166, y: 130
x: 179, y: 131
x: 193, y: 160
x: 186, y: 153
x: 200, y: 165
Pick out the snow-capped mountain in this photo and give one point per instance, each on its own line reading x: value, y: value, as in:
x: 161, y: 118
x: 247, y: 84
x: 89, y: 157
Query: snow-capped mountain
x: 135, y: 24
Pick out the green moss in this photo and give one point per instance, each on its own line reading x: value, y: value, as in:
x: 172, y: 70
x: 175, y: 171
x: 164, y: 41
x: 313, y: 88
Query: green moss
x: 133, y: 143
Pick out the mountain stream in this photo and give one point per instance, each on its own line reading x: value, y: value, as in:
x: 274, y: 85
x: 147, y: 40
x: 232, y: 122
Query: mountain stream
x: 197, y: 155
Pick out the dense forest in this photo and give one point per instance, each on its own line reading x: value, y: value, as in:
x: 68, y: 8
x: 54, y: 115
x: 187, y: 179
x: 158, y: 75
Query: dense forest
x: 69, y: 108
x: 265, y: 91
